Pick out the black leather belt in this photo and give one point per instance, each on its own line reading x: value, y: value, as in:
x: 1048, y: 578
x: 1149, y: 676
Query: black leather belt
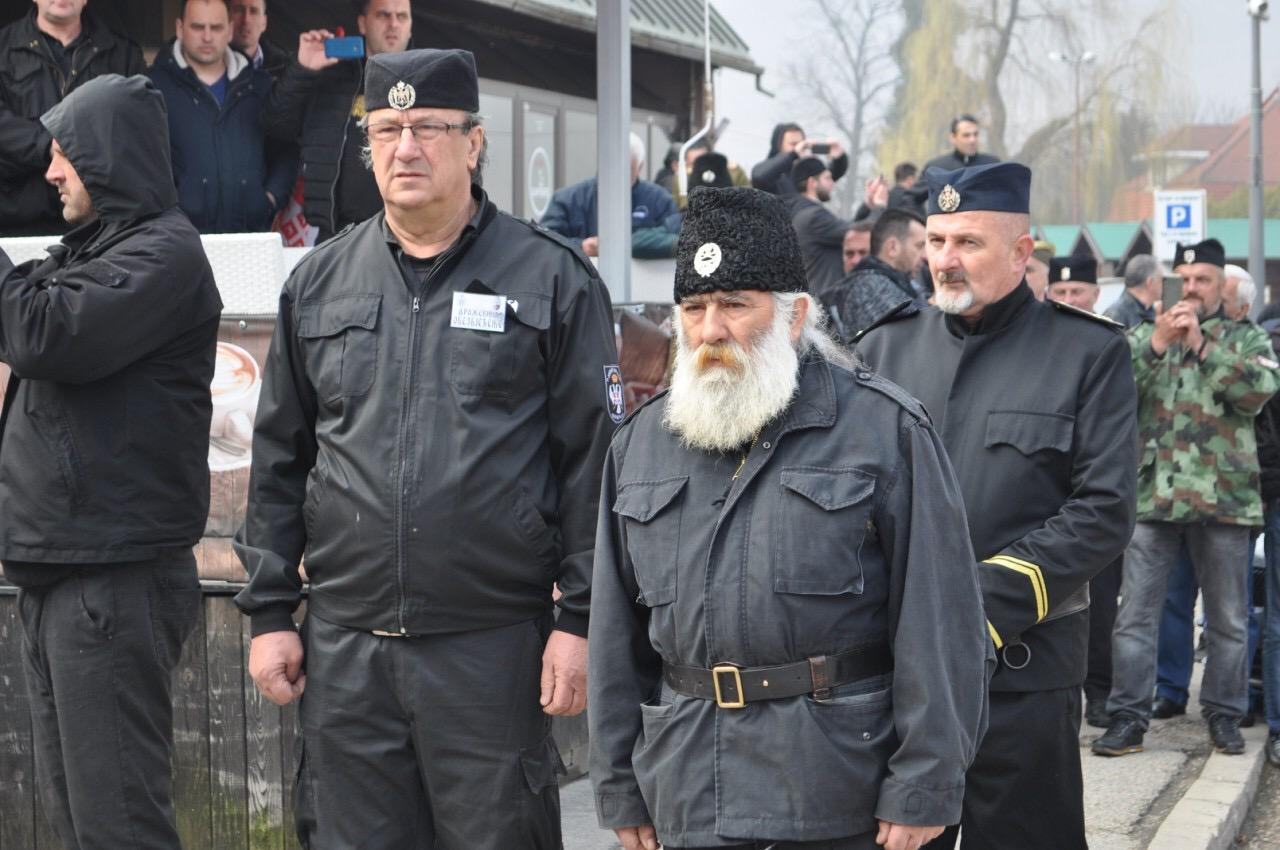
x: 731, y: 686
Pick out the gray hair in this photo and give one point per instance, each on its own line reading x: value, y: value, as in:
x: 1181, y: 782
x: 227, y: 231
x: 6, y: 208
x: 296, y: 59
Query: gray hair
x: 1246, y: 289
x: 637, y: 149
x: 815, y: 336
x: 1140, y: 269
x: 472, y: 119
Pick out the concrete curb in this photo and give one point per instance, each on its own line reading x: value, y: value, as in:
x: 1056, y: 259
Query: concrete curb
x: 1214, y: 808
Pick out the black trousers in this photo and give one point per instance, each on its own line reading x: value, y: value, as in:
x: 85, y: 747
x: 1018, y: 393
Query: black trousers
x: 426, y: 743
x: 866, y: 841
x: 1104, y: 591
x: 1025, y: 789
x: 99, y: 649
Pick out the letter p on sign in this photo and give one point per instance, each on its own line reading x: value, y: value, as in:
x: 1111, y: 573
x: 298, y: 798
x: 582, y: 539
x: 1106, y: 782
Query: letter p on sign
x: 1178, y: 216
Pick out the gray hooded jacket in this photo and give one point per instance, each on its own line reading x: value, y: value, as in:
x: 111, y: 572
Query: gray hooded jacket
x: 844, y: 527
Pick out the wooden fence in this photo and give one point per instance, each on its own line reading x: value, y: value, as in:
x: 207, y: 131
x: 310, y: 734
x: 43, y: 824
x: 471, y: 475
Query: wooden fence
x: 235, y: 753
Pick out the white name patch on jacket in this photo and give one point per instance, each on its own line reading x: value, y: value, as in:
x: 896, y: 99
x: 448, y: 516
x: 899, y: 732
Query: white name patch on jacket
x: 479, y: 312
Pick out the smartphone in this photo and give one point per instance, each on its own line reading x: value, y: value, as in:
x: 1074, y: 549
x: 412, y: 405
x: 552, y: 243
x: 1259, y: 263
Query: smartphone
x: 1170, y: 291
x: 819, y: 147
x: 346, y: 47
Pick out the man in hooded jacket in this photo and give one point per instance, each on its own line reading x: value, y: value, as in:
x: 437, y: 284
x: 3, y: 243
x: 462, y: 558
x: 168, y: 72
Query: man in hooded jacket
x: 787, y: 144
x: 104, y: 479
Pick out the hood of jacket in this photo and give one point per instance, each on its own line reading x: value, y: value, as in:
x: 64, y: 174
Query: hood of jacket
x: 115, y: 132
x: 775, y: 138
x: 171, y: 54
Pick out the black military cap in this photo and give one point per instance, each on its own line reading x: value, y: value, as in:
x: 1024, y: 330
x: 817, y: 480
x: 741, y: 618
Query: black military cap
x: 806, y: 167
x: 445, y: 79
x: 1209, y: 251
x: 998, y: 186
x: 735, y: 239
x: 1078, y: 269
x: 710, y: 169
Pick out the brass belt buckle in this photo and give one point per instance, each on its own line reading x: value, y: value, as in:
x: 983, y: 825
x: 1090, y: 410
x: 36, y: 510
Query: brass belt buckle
x: 719, y: 670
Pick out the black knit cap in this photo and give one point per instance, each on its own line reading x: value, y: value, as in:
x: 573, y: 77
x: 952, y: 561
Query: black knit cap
x: 736, y: 239
x: 1076, y: 269
x: 806, y: 167
x: 1209, y: 251
x: 710, y: 169
x: 417, y: 79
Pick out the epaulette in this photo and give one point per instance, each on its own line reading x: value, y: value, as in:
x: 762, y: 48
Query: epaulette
x: 562, y: 241
x: 1085, y: 314
x: 647, y: 402
x: 903, y: 311
x: 886, y: 387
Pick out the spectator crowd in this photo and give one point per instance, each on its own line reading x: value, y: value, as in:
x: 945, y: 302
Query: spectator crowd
x: 258, y: 136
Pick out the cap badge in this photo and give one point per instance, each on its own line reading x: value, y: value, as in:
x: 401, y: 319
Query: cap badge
x: 1188, y: 256
x: 707, y: 259
x: 401, y: 96
x: 948, y: 199
x: 1066, y: 273
x: 708, y: 176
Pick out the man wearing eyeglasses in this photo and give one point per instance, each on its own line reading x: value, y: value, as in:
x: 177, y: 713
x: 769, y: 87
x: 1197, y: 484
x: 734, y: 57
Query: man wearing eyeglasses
x: 435, y: 411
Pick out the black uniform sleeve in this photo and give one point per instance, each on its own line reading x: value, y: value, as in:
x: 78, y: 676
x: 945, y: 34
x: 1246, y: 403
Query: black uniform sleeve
x: 1023, y: 581
x: 271, y: 541
x: 620, y: 633
x: 579, y: 429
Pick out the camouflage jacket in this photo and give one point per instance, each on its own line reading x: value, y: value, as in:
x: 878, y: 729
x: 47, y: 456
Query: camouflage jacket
x: 1199, y: 458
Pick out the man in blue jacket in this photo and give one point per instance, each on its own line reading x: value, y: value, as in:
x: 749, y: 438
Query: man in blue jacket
x: 230, y: 180
x: 655, y: 221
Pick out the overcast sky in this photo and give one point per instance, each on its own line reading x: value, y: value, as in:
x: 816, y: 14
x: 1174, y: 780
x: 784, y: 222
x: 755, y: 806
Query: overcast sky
x: 1215, y: 65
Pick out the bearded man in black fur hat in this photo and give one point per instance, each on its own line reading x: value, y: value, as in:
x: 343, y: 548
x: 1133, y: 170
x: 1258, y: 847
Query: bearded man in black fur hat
x: 787, y: 639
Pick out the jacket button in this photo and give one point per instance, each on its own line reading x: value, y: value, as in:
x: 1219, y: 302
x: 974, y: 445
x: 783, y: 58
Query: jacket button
x: 862, y: 376
x: 766, y: 445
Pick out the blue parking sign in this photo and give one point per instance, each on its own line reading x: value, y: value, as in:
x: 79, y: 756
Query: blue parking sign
x: 1178, y: 216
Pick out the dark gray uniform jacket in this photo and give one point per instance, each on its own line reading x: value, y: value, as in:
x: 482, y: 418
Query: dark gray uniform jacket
x: 439, y: 479
x: 821, y: 237
x: 844, y: 527
x: 1038, y: 412
x: 111, y: 339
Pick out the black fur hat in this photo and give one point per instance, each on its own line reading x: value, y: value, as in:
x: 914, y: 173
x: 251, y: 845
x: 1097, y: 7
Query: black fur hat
x: 736, y: 239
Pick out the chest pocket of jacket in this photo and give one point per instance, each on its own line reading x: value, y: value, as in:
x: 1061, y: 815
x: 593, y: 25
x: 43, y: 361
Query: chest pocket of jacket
x: 493, y: 365
x: 824, y: 522
x: 1030, y: 432
x: 340, y: 344
x: 652, y: 512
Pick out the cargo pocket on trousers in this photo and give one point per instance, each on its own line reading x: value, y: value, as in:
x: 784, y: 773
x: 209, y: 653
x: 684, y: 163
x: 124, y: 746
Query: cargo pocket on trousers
x: 825, y: 521
x: 653, y: 512
x: 541, y: 765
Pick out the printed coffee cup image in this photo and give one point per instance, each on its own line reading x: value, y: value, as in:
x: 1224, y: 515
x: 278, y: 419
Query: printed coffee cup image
x: 237, y: 380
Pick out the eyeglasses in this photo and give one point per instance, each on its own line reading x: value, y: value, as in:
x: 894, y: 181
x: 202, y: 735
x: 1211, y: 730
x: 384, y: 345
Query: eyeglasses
x: 427, y: 131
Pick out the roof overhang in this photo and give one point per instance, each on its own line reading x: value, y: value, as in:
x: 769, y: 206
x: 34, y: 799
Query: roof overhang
x: 672, y: 27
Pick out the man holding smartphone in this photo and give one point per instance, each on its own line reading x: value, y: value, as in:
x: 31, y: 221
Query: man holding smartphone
x: 318, y: 104
x: 1201, y: 379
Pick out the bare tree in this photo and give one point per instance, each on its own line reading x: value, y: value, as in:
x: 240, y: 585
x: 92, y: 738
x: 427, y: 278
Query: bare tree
x: 847, y: 71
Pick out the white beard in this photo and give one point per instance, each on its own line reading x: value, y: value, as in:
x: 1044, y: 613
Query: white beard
x: 719, y: 408
x: 955, y: 303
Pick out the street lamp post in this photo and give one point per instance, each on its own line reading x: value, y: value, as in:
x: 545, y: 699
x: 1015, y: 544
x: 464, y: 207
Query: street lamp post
x: 1076, y: 63
x: 1257, y: 257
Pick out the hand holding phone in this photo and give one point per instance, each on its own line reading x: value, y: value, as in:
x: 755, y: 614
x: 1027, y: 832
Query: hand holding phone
x: 344, y: 47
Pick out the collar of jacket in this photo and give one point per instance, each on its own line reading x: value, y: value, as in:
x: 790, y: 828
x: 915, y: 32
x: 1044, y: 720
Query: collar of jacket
x: 814, y: 405
x: 92, y: 32
x: 997, y: 316
x: 1147, y: 312
x: 236, y: 61
x: 484, y: 214
x: 875, y: 264
x: 965, y: 159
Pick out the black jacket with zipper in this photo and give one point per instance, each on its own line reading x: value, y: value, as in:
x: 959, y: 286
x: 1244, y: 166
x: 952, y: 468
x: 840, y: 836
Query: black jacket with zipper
x: 31, y: 83
x: 311, y: 109
x: 104, y: 438
x: 438, y: 478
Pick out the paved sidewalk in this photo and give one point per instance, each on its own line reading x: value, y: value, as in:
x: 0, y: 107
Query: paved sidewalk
x: 1173, y: 796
